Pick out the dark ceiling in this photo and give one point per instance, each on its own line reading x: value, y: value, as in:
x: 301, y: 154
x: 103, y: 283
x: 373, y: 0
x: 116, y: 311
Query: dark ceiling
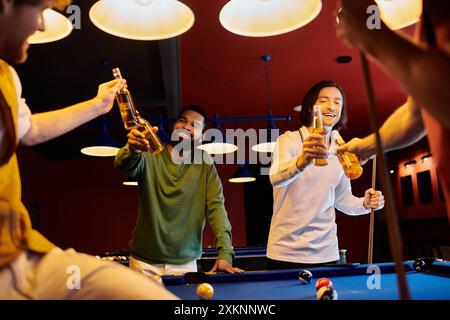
x: 69, y: 71
x: 207, y: 65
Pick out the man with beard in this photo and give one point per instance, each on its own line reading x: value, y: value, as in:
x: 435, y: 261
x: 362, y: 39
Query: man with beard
x: 175, y: 198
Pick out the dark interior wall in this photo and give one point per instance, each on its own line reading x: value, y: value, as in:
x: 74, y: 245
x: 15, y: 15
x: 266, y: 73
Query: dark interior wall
x: 214, y: 60
x: 424, y: 227
x: 234, y: 204
x: 81, y: 202
x: 423, y: 217
x: 413, y: 205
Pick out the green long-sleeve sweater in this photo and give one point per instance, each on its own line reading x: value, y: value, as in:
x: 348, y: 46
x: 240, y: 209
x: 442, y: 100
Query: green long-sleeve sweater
x: 174, y: 200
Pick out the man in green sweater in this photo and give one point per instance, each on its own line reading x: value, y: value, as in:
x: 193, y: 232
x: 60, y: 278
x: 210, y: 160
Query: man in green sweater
x: 175, y: 197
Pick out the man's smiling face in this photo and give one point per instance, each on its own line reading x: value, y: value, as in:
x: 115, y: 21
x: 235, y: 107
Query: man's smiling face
x: 330, y: 101
x: 189, y: 125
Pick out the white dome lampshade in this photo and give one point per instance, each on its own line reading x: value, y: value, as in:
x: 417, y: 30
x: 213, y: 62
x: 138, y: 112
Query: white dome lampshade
x: 242, y: 175
x: 398, y: 14
x: 57, y: 27
x: 142, y: 19
x: 105, y: 145
x: 130, y: 182
x: 266, y: 147
x: 218, y: 147
x: 100, y: 151
x: 269, y: 145
x: 262, y: 18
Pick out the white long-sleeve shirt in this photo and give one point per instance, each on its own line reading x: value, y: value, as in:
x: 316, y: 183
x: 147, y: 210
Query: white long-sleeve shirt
x: 24, y: 113
x: 303, y: 228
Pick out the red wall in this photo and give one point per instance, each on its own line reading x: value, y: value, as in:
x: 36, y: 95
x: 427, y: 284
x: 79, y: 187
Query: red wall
x: 83, y: 204
x: 211, y: 56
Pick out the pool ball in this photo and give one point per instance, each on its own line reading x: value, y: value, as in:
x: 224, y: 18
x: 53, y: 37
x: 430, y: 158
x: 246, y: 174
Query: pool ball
x: 419, y: 265
x: 305, y: 276
x: 324, y: 282
x: 327, y: 293
x: 425, y: 264
x: 205, y: 291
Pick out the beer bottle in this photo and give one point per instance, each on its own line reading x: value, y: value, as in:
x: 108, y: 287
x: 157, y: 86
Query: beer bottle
x: 131, y: 117
x: 349, y: 161
x: 318, y: 128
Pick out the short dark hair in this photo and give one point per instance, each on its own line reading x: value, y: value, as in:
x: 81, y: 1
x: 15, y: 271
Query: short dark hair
x: 59, y: 4
x: 195, y: 108
x: 306, y: 114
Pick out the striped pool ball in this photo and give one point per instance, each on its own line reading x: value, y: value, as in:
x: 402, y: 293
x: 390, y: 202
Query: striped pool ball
x: 305, y: 276
x: 327, y: 293
x: 324, y: 282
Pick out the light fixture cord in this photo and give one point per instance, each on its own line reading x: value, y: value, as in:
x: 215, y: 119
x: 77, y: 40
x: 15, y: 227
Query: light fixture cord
x: 268, y: 92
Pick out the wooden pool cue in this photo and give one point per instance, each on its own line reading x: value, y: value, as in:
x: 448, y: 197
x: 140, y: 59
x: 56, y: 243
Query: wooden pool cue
x: 371, y: 223
x: 391, y: 215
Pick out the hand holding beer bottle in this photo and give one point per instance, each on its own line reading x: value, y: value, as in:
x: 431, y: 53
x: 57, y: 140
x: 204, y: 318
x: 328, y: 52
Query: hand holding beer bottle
x: 313, y: 148
x: 349, y: 161
x: 142, y: 135
x: 138, y: 140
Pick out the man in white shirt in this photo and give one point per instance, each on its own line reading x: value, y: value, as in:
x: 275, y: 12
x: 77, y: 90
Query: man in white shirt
x: 303, y: 231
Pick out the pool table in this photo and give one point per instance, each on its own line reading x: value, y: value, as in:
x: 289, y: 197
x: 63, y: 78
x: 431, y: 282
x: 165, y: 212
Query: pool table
x: 247, y: 258
x: 350, y: 282
x: 211, y: 252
